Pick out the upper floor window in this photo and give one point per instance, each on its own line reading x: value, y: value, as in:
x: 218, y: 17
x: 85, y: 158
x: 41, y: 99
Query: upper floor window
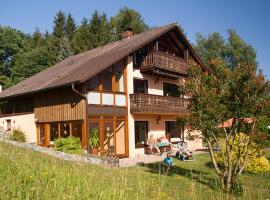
x: 16, y: 106
x: 119, y: 77
x: 140, y: 86
x: 106, y: 79
x: 170, y: 89
x: 93, y: 84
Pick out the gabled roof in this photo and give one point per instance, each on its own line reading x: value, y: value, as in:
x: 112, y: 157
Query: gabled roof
x: 81, y: 67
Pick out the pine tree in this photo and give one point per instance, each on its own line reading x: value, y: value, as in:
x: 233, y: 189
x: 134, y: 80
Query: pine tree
x: 82, y: 37
x: 70, y: 27
x: 65, y: 49
x: 99, y: 30
x: 59, y: 25
x: 37, y: 38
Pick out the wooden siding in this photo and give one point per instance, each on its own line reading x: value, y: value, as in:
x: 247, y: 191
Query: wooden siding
x: 162, y: 64
x: 59, y: 105
x: 155, y: 104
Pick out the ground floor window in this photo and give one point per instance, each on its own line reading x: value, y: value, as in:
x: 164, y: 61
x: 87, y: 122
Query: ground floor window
x: 141, y: 133
x: 174, y: 130
x: 112, y: 133
x: 8, y: 124
x: 49, y: 132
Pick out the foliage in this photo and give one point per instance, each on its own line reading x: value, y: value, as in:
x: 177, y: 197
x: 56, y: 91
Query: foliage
x: 257, y: 163
x: 70, y: 145
x: 64, y: 49
x: 128, y: 18
x: 17, y: 135
x: 37, y: 173
x: 70, y: 27
x: 31, y: 53
x: 30, y: 62
x: 93, y: 138
x: 59, y: 24
x: 232, y: 89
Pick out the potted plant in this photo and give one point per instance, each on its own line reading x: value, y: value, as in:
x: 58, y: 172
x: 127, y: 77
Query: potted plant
x: 93, y: 141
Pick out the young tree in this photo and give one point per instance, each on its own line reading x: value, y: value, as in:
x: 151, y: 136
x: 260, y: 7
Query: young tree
x: 37, y: 38
x: 59, y: 25
x: 65, y: 50
x: 70, y: 27
x: 229, y: 91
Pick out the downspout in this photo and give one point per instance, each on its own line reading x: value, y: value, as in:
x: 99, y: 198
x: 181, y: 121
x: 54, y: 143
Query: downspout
x: 76, y: 91
x: 86, y: 112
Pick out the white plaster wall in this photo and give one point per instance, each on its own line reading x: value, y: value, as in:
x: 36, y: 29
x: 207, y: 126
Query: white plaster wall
x: 131, y: 135
x: 155, y: 84
x: 25, y: 122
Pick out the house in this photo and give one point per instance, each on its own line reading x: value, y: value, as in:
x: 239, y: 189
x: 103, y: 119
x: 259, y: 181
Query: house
x: 126, y: 90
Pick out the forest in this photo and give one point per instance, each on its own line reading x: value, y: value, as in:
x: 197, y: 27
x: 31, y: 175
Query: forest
x: 23, y: 55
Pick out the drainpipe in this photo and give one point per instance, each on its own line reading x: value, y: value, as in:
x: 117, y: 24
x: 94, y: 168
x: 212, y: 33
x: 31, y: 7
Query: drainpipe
x: 86, y: 112
x: 76, y: 91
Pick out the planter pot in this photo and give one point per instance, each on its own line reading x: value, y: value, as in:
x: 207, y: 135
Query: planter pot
x: 94, y: 151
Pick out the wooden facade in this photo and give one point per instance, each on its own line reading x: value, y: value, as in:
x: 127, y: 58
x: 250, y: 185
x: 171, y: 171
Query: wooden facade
x: 61, y: 104
x: 157, y: 104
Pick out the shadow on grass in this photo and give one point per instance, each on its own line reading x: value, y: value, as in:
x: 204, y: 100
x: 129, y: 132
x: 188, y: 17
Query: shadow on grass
x: 194, y: 175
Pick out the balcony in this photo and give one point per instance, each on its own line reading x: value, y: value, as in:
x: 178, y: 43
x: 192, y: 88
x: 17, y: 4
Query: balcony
x: 155, y: 104
x: 162, y: 64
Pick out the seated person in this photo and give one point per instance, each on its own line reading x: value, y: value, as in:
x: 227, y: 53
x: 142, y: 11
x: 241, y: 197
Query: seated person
x: 183, y: 153
x: 168, y: 161
x: 164, y: 142
x: 152, y: 144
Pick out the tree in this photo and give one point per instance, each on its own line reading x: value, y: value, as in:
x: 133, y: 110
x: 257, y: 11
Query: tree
x: 99, y: 30
x: 37, y: 38
x: 231, y: 90
x: 11, y: 43
x: 65, y: 50
x: 59, y: 25
x: 31, y: 62
x: 128, y: 18
x: 82, y: 37
x: 70, y: 27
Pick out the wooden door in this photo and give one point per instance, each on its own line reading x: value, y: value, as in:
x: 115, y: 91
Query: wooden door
x: 43, y: 132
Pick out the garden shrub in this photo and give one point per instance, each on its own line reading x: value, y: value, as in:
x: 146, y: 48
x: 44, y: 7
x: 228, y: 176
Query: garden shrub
x: 70, y: 145
x: 256, y: 163
x: 17, y: 135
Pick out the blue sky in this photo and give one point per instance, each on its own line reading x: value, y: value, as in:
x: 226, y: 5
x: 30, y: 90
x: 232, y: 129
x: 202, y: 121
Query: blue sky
x: 250, y: 18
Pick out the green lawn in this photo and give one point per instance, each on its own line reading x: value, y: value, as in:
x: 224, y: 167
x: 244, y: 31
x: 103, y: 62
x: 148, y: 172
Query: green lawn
x: 25, y: 174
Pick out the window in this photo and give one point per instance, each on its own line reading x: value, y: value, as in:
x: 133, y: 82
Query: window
x: 173, y: 130
x: 28, y: 105
x: 8, y: 124
x: 106, y: 79
x: 54, y: 131
x: 93, y: 84
x: 17, y: 106
x: 119, y: 78
x: 140, y: 86
x: 141, y: 133
x: 170, y: 89
x: 65, y: 129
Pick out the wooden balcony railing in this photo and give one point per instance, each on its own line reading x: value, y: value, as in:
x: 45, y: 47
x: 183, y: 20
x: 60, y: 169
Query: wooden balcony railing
x: 159, y: 63
x: 157, y: 104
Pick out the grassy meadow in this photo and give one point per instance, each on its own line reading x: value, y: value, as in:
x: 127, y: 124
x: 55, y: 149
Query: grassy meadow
x: 25, y: 174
